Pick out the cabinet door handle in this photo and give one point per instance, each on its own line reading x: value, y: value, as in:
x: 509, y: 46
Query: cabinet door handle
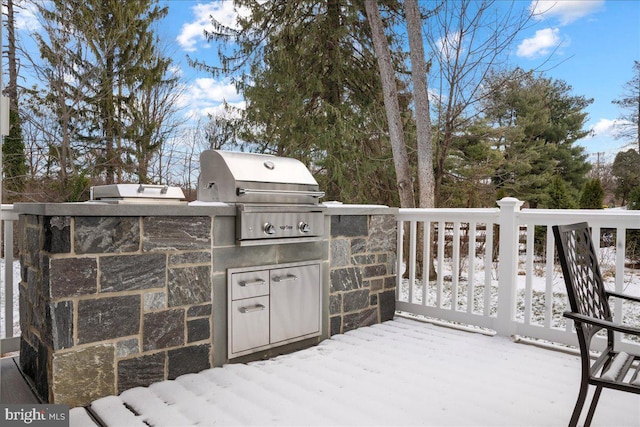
x: 256, y: 282
x: 251, y: 308
x: 287, y: 278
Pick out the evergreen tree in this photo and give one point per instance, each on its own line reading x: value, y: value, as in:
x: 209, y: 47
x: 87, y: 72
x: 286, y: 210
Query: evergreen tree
x: 13, y: 160
x: 625, y: 170
x: 559, y: 197
x: 538, y: 121
x: 472, y: 162
x: 592, y: 196
x: 633, y: 236
x: 99, y: 57
x: 309, y: 77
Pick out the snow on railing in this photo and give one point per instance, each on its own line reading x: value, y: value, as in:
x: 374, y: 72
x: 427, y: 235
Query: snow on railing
x: 9, y: 324
x: 496, y: 268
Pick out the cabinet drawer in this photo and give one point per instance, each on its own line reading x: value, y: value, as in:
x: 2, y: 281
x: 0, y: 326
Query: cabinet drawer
x: 249, y: 284
x: 249, y: 323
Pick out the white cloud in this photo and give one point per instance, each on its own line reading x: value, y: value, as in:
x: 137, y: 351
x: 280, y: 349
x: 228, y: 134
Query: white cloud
x: 566, y: 11
x: 206, y: 95
x: 603, y: 127
x: 193, y: 32
x: 27, y: 17
x: 448, y: 45
x: 540, y: 44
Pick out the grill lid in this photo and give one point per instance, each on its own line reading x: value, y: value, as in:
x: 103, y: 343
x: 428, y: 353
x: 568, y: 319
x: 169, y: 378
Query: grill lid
x: 255, y: 178
x: 136, y: 193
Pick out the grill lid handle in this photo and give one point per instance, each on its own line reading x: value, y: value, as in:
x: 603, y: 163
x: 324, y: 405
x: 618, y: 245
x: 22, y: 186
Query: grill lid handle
x: 163, y: 188
x: 246, y: 191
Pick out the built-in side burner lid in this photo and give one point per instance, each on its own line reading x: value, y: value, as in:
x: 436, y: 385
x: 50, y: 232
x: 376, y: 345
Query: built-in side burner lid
x: 255, y: 178
x: 137, y: 193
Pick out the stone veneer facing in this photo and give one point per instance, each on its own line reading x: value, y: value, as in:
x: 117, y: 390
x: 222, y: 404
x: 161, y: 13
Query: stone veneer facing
x: 362, y: 268
x: 111, y: 303
x: 108, y: 303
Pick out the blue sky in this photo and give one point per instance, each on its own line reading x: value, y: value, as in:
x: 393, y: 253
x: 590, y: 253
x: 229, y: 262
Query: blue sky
x: 594, y: 42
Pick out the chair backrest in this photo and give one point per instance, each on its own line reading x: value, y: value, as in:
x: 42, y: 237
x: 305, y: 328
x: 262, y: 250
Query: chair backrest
x: 581, y: 271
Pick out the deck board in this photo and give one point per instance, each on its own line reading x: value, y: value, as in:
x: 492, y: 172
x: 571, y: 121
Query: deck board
x: 398, y: 373
x: 14, y: 389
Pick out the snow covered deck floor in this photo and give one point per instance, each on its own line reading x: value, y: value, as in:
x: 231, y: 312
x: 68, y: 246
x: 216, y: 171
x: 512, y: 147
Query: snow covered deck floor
x: 401, y: 372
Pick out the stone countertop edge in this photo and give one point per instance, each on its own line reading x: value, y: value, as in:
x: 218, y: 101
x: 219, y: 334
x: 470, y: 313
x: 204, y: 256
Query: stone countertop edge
x: 128, y: 209
x: 345, y: 209
x: 169, y: 209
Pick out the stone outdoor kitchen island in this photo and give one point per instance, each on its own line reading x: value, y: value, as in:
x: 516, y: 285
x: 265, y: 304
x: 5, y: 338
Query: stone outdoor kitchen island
x: 118, y: 296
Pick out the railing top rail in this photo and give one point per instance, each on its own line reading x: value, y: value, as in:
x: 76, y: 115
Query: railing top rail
x: 601, y: 217
x: 615, y: 217
x: 449, y: 214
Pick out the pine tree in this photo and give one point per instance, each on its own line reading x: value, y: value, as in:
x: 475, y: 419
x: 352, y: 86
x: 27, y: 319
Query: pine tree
x: 309, y: 77
x: 558, y: 196
x: 592, y: 196
x: 625, y: 170
x: 538, y: 121
x: 99, y: 57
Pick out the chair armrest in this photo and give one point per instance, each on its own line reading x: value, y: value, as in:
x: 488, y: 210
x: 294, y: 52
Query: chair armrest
x: 623, y: 296
x: 602, y: 323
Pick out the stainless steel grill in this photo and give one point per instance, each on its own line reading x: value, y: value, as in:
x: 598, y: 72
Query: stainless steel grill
x: 276, y: 202
x: 276, y: 197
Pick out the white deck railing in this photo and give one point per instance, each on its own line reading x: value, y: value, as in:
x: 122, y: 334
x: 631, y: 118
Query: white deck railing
x: 495, y: 268
x: 9, y: 340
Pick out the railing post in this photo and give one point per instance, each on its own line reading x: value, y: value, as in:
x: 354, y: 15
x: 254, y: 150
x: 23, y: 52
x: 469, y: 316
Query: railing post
x: 507, y: 265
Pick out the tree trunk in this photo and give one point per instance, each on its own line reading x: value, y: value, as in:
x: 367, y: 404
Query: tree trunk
x: 391, y: 105
x: 426, y: 182
x: 421, y: 103
x: 12, y: 89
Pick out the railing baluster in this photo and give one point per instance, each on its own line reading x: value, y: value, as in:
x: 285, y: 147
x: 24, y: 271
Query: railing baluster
x: 441, y: 231
x: 412, y: 258
x: 426, y: 260
x: 8, y: 277
x: 488, y: 266
x: 455, y: 267
x: 621, y: 244
x: 548, y: 299
x: 399, y: 258
x: 528, y: 288
x: 471, y: 265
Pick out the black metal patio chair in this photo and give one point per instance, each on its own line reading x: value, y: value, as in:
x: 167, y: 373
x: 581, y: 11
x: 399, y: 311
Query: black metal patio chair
x: 591, y: 313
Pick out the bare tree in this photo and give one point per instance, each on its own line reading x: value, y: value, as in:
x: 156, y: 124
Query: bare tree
x: 468, y: 40
x: 391, y: 105
x: 628, y: 126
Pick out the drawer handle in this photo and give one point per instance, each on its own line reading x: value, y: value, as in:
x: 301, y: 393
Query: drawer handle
x: 251, y: 308
x: 287, y: 278
x: 244, y: 283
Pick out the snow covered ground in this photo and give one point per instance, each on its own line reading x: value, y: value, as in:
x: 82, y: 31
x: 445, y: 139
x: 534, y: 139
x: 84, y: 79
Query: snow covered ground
x: 16, y: 313
x: 402, y: 372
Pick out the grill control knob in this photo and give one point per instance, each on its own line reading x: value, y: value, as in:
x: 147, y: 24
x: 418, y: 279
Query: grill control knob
x: 304, y: 227
x: 269, y: 228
